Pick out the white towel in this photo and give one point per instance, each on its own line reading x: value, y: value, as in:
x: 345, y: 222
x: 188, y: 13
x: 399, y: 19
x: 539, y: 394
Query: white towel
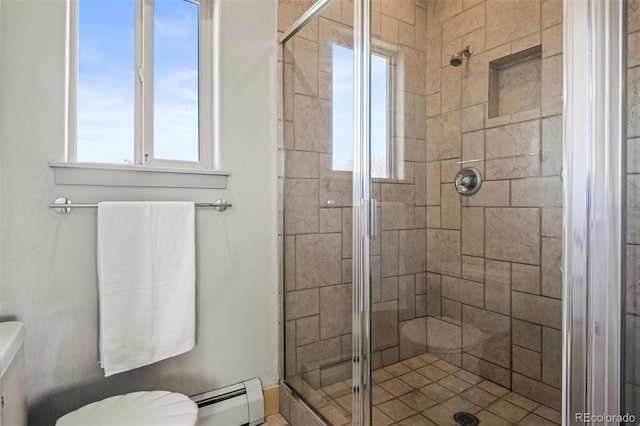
x: 146, y: 280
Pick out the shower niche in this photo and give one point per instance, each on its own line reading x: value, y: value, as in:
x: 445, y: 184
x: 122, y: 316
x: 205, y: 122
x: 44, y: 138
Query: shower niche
x: 515, y: 83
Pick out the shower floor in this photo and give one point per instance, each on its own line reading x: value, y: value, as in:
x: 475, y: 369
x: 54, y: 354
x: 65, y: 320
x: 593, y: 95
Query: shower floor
x: 425, y: 390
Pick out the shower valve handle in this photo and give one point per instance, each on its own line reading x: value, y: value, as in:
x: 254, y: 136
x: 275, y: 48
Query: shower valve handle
x: 468, y: 181
x: 465, y: 182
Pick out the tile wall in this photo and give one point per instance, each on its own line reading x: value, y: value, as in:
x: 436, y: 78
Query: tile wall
x: 493, y: 259
x: 317, y: 260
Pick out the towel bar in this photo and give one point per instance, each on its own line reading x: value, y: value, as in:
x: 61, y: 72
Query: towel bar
x: 64, y: 205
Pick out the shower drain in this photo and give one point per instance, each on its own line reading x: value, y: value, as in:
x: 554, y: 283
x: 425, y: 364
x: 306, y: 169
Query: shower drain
x: 465, y: 419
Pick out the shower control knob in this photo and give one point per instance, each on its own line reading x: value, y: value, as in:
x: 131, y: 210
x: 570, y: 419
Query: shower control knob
x: 465, y: 182
x: 468, y: 181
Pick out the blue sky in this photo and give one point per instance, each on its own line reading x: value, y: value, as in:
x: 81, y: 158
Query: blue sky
x: 106, y: 73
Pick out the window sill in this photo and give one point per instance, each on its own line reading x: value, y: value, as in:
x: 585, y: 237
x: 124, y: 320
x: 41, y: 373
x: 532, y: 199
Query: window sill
x: 130, y: 175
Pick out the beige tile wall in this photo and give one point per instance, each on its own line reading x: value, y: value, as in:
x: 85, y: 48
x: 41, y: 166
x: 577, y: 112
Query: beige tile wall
x: 633, y: 213
x: 493, y: 259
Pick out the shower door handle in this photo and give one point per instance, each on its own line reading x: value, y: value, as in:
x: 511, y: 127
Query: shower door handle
x: 374, y: 216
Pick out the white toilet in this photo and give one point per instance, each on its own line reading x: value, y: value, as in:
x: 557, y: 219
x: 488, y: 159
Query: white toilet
x: 155, y: 408
x: 13, y: 384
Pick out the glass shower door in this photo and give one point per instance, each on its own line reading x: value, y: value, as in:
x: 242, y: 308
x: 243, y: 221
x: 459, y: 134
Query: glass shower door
x: 398, y: 167
x: 317, y: 215
x: 465, y: 160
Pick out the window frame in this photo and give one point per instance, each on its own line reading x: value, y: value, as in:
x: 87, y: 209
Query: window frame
x: 395, y: 99
x: 143, y: 91
x: 391, y: 118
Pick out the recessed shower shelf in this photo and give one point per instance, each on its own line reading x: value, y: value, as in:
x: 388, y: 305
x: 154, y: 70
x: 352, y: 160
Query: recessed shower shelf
x: 515, y: 83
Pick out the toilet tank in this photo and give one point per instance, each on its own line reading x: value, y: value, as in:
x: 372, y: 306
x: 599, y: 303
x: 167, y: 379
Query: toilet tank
x: 13, y: 385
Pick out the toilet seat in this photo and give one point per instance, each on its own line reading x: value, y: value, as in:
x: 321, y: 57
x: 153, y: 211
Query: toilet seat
x: 155, y: 408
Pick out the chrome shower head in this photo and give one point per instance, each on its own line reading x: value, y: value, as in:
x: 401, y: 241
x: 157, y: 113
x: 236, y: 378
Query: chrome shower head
x: 456, y: 60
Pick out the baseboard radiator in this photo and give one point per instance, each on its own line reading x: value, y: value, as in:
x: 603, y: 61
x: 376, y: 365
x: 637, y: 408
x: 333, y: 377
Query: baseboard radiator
x: 234, y: 405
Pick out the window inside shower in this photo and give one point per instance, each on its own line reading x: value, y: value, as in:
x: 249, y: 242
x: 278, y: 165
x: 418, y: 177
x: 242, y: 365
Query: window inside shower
x: 342, y: 112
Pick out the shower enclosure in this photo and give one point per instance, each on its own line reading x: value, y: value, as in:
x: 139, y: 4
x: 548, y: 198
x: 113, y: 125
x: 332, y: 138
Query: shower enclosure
x: 423, y: 154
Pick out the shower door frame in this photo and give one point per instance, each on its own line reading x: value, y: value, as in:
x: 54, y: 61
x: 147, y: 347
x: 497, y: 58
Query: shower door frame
x: 594, y: 169
x: 594, y: 207
x: 364, y: 208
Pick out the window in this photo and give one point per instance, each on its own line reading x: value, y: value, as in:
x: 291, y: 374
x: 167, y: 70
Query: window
x: 342, y: 110
x: 141, y: 85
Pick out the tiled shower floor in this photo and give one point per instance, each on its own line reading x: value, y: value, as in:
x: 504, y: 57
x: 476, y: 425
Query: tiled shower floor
x: 425, y: 390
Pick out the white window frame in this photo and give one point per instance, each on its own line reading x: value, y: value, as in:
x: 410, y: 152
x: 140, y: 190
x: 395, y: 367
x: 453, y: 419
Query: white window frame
x: 143, y: 99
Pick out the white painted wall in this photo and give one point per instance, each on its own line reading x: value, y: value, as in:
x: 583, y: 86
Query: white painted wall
x: 1, y: 145
x: 47, y: 264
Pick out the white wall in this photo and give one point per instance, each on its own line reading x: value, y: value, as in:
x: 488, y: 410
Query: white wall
x: 47, y: 264
x: 1, y: 145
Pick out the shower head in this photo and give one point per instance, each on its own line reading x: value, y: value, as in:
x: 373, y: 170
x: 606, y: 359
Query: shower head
x: 456, y: 60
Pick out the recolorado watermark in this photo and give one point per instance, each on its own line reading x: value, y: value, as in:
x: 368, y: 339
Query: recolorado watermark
x: 605, y: 418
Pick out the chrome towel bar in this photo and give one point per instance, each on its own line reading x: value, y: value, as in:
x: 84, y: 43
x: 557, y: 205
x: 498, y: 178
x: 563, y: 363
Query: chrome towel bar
x: 64, y: 205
